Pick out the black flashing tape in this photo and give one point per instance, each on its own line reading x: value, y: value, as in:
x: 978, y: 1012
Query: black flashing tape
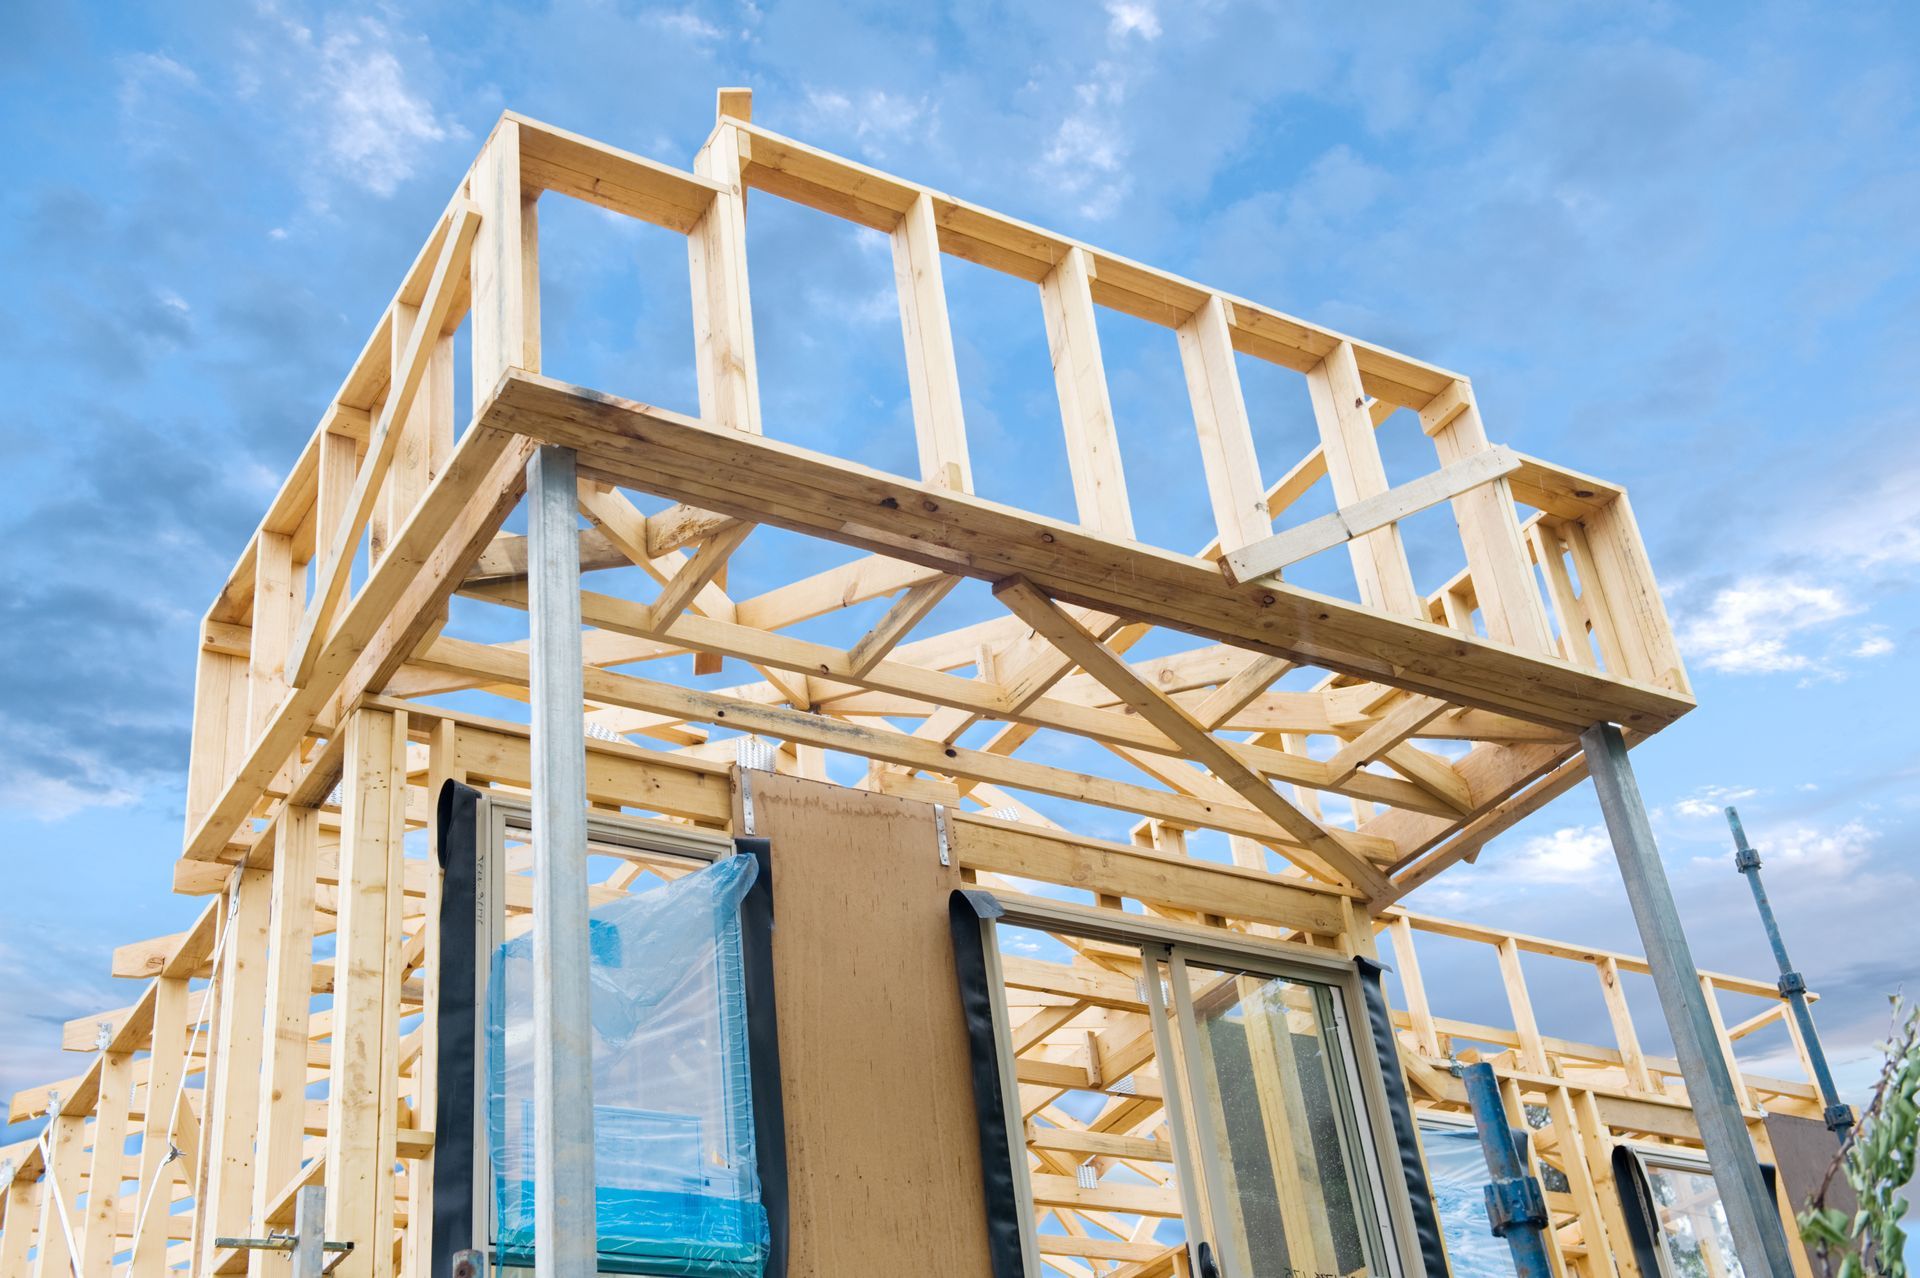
x: 454, y: 1122
x: 1406, y: 1136
x: 1643, y: 1218
x: 1636, y: 1201
x: 969, y: 913
x: 763, y: 1052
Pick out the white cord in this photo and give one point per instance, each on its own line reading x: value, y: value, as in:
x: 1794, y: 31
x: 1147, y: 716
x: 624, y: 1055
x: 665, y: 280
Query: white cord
x: 179, y: 1093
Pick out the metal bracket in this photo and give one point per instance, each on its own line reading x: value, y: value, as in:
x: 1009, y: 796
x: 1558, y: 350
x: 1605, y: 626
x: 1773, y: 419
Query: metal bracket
x: 1838, y: 1117
x: 1745, y: 859
x: 940, y: 833
x: 746, y: 800
x: 1515, y: 1202
x: 1791, y: 983
x: 103, y: 1037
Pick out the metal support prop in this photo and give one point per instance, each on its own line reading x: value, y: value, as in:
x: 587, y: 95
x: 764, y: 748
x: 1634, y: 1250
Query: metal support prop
x: 1752, y: 1219
x: 1793, y: 986
x: 306, y: 1246
x: 1515, y: 1205
x: 565, y: 1231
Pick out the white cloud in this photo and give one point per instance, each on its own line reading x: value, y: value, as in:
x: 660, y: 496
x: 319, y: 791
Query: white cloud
x: 1874, y: 643
x: 1748, y: 628
x: 377, y: 123
x: 1087, y: 157
x: 52, y: 798
x: 1572, y: 854
x: 872, y: 116
x: 1132, y: 17
x: 1838, y: 851
x: 687, y: 23
x: 1709, y: 801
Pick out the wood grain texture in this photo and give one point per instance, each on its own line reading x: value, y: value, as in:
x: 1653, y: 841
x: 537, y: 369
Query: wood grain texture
x: 882, y: 1141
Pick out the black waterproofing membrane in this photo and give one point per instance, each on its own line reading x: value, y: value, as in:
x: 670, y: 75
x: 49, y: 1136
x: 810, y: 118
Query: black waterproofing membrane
x: 971, y: 914
x: 1644, y: 1231
x: 454, y: 1122
x: 1406, y: 1136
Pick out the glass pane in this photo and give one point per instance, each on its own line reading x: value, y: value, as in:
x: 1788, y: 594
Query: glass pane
x: 677, y: 1190
x: 1693, y: 1226
x: 1100, y: 1154
x: 1271, y: 1092
x: 1457, y: 1173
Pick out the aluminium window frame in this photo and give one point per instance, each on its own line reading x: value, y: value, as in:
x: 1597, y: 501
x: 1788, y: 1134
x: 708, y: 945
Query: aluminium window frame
x: 495, y: 818
x: 1173, y: 944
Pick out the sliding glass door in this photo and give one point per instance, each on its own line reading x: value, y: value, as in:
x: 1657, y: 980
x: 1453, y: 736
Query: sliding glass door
x: 1272, y: 1081
x: 1188, y: 1109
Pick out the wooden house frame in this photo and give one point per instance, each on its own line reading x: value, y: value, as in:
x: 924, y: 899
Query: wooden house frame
x: 254, y: 1063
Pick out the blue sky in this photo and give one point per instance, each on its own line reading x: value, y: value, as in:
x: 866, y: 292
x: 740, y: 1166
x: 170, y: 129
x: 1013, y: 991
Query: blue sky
x: 1675, y: 247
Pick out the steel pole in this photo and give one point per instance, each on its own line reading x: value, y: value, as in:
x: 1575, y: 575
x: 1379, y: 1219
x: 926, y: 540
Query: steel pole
x: 1793, y: 986
x: 1752, y: 1219
x: 1515, y: 1206
x: 309, y: 1232
x: 566, y: 1235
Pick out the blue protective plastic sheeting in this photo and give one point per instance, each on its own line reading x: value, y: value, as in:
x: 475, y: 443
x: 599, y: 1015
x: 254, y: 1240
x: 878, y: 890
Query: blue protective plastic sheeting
x: 1457, y: 1171
x: 678, y: 1191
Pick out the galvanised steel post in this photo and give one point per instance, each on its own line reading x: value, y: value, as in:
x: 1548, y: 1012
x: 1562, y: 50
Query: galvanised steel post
x: 1793, y: 986
x: 565, y: 1232
x: 1752, y: 1219
x: 1515, y: 1205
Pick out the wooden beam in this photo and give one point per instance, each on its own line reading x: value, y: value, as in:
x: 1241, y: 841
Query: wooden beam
x: 316, y: 624
x: 753, y: 477
x: 1325, y: 855
x: 907, y: 612
x: 1226, y: 435
x: 729, y: 384
x: 1503, y: 580
x: 933, y: 377
x: 1353, y: 463
x: 1086, y: 409
x: 1370, y: 514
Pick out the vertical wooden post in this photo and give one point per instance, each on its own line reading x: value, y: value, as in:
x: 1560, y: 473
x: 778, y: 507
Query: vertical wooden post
x: 232, y: 1098
x: 1407, y: 959
x: 219, y: 698
x: 1503, y: 580
x: 276, y: 612
x: 159, y: 1172
x: 1354, y: 467
x: 289, y: 997
x: 359, y: 1182
x: 1226, y: 434
x: 504, y: 274
x: 1533, y: 1048
x: 426, y: 436
x: 1617, y: 562
x: 722, y: 310
x: 106, y: 1167
x: 60, y: 1187
x: 1624, y: 1034
x: 23, y: 1215
x: 933, y: 376
x: 1086, y: 408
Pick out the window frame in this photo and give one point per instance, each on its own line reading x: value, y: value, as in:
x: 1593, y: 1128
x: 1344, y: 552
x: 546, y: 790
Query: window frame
x: 496, y: 818
x: 1174, y: 945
